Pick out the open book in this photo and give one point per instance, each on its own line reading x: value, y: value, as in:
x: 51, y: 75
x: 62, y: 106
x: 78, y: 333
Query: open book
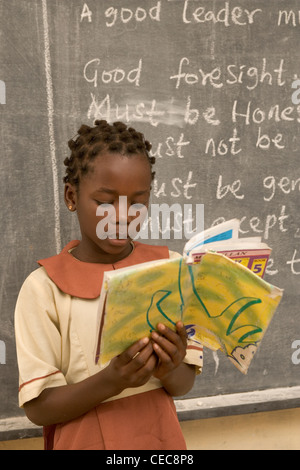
x: 222, y: 300
x: 224, y: 238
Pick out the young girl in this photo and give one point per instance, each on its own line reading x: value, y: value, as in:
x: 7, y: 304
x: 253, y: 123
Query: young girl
x: 128, y: 404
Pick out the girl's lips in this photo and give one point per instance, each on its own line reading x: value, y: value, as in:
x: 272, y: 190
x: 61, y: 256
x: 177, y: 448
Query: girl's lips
x: 117, y: 241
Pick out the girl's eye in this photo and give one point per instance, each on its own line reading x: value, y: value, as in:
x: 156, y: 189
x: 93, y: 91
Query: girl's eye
x: 139, y: 204
x: 102, y: 203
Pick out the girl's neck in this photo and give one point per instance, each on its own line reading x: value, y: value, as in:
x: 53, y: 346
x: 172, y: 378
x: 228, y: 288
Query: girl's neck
x: 88, y: 254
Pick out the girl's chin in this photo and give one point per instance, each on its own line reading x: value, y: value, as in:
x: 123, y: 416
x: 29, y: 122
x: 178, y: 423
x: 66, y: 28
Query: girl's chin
x: 116, y: 245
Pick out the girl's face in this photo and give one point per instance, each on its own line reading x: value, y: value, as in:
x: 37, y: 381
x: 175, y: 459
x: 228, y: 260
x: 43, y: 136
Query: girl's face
x: 110, y: 176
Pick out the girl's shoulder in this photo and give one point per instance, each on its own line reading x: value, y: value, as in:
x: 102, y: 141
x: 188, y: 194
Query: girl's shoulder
x: 37, y: 283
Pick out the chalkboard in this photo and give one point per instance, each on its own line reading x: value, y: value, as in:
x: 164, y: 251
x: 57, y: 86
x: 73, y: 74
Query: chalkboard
x: 213, y: 85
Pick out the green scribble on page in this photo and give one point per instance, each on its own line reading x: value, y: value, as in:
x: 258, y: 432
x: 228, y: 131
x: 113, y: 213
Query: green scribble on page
x: 157, y: 298
x: 233, y: 323
x: 242, y: 304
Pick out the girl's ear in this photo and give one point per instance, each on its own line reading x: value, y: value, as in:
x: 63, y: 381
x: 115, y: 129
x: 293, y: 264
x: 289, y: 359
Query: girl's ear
x: 70, y: 197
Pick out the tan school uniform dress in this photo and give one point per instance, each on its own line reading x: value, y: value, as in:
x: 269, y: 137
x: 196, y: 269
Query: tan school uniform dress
x: 56, y: 321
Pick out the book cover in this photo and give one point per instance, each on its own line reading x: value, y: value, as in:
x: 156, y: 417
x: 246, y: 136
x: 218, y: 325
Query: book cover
x: 223, y: 238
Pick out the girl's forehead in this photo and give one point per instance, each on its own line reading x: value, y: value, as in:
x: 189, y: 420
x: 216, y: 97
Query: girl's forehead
x: 115, y: 163
x: 117, y: 169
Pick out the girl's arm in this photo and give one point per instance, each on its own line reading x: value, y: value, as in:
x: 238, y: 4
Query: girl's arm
x: 132, y: 368
x: 176, y: 376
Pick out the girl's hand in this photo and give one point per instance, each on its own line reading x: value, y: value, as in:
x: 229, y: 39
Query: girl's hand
x: 170, y: 348
x: 134, y: 366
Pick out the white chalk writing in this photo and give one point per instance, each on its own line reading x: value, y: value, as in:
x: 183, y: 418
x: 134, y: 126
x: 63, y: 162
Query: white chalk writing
x: 233, y: 188
x: 177, y: 187
x: 288, y: 17
x: 285, y: 185
x: 127, y: 15
x: 227, y: 16
x: 116, y: 75
x: 86, y: 13
x: 210, y: 109
x: 294, y: 263
x: 248, y: 76
x: 223, y: 147
x: 256, y: 115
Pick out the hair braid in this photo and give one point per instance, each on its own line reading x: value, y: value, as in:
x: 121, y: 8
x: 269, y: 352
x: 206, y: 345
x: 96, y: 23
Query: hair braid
x: 92, y: 141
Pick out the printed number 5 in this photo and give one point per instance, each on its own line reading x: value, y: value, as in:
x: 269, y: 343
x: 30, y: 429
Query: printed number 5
x: 257, y: 268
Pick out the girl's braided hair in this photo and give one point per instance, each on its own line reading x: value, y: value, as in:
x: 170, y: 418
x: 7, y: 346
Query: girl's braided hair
x: 104, y: 137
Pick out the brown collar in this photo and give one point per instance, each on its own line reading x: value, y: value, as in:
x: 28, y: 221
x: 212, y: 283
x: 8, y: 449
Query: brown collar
x: 84, y: 280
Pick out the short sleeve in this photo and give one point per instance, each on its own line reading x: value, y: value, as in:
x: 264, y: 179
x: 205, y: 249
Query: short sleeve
x: 194, y: 355
x: 38, y: 339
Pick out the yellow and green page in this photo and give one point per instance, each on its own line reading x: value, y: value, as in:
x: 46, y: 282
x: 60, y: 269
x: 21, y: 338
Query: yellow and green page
x: 223, y: 305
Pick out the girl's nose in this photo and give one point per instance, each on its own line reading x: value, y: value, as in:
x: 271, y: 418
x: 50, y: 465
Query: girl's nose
x: 122, y: 211
x: 122, y: 219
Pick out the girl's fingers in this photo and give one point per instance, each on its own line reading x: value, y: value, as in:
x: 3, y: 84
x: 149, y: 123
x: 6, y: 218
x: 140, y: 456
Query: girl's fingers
x: 169, y: 346
x: 139, y: 358
x: 133, y: 351
x: 182, y: 332
x: 166, y: 343
x: 171, y: 340
x: 162, y: 355
x: 135, y: 365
